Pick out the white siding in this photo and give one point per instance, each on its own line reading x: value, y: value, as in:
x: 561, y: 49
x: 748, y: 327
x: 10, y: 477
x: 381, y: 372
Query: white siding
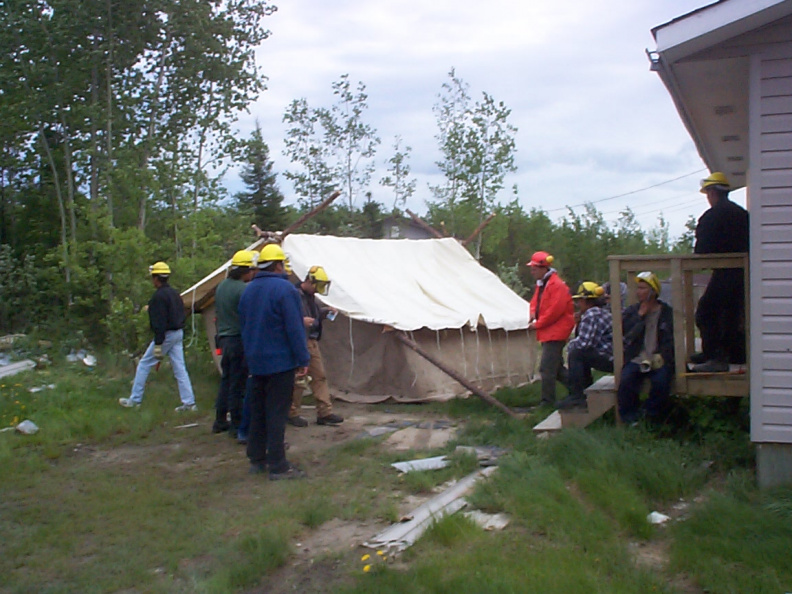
x: 770, y: 197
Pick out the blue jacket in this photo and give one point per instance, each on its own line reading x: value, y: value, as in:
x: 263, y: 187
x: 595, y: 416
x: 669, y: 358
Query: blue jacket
x: 273, y: 333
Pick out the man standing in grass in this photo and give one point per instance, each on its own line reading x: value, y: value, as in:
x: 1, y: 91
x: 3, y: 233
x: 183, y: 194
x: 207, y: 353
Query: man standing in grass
x: 166, y: 317
x: 273, y: 335
x: 316, y: 281
x: 592, y: 347
x: 648, y: 352
x: 553, y: 317
x: 229, y: 341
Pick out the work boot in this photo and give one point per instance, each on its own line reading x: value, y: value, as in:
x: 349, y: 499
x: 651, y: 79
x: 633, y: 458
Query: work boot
x: 297, y: 421
x: 331, y: 419
x: 220, y: 426
x: 698, y: 358
x: 290, y: 473
x: 711, y: 366
x: 572, y: 402
x: 258, y: 468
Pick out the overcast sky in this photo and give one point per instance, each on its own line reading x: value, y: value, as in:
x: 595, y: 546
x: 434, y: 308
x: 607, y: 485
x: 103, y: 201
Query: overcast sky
x: 593, y: 121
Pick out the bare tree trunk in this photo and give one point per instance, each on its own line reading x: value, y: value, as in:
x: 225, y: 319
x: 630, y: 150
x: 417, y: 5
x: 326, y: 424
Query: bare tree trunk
x: 109, y: 115
x: 61, y: 208
x: 152, y: 123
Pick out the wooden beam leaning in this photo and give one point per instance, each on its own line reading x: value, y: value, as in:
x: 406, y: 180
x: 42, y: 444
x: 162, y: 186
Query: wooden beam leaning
x: 265, y: 236
x: 478, y: 229
x: 404, y: 339
x: 423, y: 224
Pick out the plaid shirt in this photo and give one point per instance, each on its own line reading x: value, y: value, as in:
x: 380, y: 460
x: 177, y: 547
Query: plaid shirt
x: 595, y: 331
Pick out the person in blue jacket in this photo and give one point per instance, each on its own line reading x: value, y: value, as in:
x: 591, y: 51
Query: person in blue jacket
x: 275, y: 344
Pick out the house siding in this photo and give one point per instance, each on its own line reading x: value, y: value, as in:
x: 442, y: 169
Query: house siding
x: 770, y: 197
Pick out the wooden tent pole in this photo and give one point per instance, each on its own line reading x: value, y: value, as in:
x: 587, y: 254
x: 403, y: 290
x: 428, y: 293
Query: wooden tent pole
x: 324, y: 204
x: 402, y: 337
x: 263, y: 236
x: 423, y: 224
x: 478, y: 229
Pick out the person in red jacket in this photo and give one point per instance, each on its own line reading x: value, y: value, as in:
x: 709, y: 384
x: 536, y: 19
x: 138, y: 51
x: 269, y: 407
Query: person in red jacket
x: 553, y: 318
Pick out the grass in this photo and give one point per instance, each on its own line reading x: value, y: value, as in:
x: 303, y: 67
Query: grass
x: 105, y: 499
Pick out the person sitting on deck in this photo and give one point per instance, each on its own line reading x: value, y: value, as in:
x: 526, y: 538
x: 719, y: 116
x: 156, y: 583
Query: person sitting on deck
x: 592, y: 346
x: 648, y: 353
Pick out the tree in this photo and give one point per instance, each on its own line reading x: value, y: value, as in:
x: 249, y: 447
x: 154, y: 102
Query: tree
x: 477, y: 144
x: 348, y: 139
x: 488, y: 156
x: 451, y: 112
x: 263, y: 201
x: 398, y: 177
x: 313, y: 181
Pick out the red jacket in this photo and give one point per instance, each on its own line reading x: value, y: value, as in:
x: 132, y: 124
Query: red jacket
x: 555, y: 317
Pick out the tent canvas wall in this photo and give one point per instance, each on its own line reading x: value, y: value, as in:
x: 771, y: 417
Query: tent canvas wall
x: 455, y: 309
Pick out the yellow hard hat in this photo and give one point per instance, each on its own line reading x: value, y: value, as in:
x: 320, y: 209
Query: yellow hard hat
x: 271, y: 252
x: 650, y: 278
x: 244, y: 259
x: 715, y: 178
x: 160, y: 269
x: 318, y: 276
x: 589, y: 290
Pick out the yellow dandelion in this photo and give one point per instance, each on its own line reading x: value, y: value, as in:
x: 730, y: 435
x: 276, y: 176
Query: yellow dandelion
x: 365, y: 557
x: 381, y: 553
x: 367, y: 568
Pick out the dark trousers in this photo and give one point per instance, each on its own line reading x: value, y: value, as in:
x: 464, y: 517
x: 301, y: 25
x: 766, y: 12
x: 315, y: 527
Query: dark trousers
x: 244, y: 426
x: 720, y: 317
x: 551, y: 368
x: 270, y: 399
x: 629, y: 392
x: 581, y: 362
x: 232, y: 382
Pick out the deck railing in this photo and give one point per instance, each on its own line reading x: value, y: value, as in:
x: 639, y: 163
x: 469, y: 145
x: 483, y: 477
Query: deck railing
x: 681, y: 268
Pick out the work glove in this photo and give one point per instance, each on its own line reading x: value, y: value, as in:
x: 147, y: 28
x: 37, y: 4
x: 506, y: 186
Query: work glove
x: 158, y: 352
x: 657, y: 361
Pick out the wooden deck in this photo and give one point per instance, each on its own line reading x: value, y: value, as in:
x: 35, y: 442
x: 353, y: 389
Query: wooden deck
x: 601, y: 396
x: 681, y: 268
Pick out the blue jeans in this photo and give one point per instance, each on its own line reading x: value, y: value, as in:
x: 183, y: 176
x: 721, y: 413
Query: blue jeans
x: 581, y: 362
x: 270, y: 400
x: 171, y: 346
x: 630, y: 390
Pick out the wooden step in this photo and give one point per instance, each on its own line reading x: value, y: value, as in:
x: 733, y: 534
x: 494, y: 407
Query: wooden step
x: 600, y: 396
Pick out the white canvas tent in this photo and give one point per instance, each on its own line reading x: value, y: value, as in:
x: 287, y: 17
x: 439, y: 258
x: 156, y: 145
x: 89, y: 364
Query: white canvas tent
x: 433, y: 289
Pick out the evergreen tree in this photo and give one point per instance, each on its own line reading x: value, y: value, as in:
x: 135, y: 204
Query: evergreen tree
x: 263, y: 200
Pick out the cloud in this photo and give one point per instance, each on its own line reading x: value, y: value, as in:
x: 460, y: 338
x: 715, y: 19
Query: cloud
x: 593, y: 120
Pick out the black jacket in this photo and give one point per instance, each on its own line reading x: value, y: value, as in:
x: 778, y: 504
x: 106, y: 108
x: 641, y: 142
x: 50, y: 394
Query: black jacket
x: 634, y: 326
x: 722, y: 229
x: 166, y: 312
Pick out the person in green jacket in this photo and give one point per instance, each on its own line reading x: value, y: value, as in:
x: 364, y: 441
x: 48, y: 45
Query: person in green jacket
x: 229, y: 341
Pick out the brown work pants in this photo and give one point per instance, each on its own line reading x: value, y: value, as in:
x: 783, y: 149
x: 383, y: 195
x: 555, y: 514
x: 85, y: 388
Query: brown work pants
x: 321, y: 392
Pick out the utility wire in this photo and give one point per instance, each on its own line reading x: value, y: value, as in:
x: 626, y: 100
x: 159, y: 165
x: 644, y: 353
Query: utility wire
x: 627, y: 193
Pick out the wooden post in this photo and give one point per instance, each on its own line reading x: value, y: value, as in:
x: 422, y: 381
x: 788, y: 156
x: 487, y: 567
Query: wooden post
x: 402, y: 337
x: 616, y: 311
x: 678, y: 305
x: 423, y: 224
